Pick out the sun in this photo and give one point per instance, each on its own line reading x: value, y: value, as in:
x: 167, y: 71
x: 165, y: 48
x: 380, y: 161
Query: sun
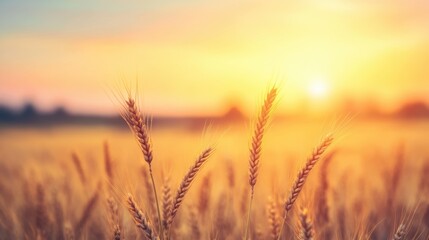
x: 318, y: 88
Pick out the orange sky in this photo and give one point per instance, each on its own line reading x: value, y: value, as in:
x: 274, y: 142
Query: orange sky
x: 198, y: 56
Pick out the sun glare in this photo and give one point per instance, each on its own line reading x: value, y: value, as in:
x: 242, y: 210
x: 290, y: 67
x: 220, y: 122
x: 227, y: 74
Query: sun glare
x: 318, y: 88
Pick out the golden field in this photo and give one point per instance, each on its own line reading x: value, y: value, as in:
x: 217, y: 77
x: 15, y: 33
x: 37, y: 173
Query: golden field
x: 376, y: 180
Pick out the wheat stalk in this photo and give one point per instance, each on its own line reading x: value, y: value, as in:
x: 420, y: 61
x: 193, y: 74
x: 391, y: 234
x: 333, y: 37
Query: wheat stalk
x: 108, y: 162
x: 400, y: 232
x: 322, y: 192
x: 68, y: 232
x: 59, y: 217
x: 186, y: 183
x: 426, y: 216
x: 273, y: 218
x: 204, y: 195
x: 139, y: 219
x: 113, y: 210
x: 194, y: 223
x: 78, y: 165
x: 258, y: 135
x: 256, y: 147
x: 306, y: 232
x: 117, y: 232
x: 166, y: 201
x: 302, y: 176
x: 114, y: 217
x: 134, y: 119
x: 86, y: 214
x: 151, y: 201
x: 41, y: 212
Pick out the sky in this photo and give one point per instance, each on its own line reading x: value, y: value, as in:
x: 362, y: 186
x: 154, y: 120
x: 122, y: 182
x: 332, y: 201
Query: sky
x: 200, y: 56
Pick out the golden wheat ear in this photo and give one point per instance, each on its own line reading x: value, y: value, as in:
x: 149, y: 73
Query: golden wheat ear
x: 186, y: 183
x: 108, y: 163
x: 306, y: 226
x: 400, y: 232
x: 258, y: 135
x: 140, y: 220
x: 79, y: 168
x: 256, y: 147
x: 87, y: 212
x: 273, y: 218
x: 134, y: 119
x: 321, y: 203
x: 114, y: 218
x: 303, y: 174
x: 167, y: 200
x: 117, y: 235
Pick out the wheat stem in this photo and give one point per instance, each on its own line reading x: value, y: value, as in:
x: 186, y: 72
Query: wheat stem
x: 246, y: 233
x: 161, y: 234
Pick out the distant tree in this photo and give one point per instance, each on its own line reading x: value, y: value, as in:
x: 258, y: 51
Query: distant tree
x: 6, y: 114
x: 413, y: 110
x: 60, y: 112
x: 29, y: 111
x: 233, y: 114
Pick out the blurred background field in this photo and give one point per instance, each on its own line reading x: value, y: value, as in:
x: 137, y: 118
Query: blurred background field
x: 367, y: 153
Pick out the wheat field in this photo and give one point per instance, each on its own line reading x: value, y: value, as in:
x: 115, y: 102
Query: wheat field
x: 214, y: 120
x: 266, y: 179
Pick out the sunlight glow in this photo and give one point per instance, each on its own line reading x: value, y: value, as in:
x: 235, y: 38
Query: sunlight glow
x: 217, y: 47
x: 318, y: 88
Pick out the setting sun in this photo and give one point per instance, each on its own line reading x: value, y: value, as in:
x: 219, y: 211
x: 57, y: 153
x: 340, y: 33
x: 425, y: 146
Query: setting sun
x: 318, y: 88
